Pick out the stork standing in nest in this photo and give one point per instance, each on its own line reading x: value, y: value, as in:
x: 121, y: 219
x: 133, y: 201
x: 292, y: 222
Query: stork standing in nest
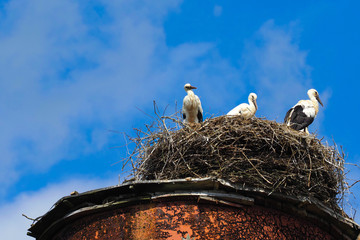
x: 300, y: 116
x: 245, y: 110
x: 191, y: 110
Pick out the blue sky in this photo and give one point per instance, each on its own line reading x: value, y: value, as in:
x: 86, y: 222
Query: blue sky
x: 70, y: 71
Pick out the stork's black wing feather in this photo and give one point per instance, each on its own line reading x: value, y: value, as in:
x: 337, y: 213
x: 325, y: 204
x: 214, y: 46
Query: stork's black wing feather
x: 200, y: 116
x: 287, y: 115
x: 184, y: 116
x: 299, y: 120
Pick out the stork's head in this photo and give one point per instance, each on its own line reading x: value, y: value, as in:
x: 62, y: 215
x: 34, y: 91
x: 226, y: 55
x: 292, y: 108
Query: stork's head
x: 188, y: 87
x: 252, y: 98
x: 312, y: 93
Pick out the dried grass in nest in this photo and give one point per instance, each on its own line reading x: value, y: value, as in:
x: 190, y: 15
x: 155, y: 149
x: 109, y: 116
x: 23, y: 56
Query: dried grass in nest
x: 254, y: 152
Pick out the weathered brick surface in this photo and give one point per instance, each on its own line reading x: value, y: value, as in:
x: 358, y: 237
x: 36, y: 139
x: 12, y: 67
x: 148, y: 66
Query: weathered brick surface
x: 175, y: 220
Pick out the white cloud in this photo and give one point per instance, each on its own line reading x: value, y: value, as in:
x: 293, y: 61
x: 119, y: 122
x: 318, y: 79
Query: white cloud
x: 31, y: 54
x: 56, y: 75
x: 34, y: 204
x: 217, y: 10
x: 64, y: 68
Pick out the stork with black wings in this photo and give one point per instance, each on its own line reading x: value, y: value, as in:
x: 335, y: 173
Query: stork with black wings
x: 191, y: 110
x: 300, y: 116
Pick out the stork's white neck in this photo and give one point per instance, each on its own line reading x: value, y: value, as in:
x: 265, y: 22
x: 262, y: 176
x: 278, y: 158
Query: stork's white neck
x: 190, y: 93
x: 315, y: 102
x: 253, y: 107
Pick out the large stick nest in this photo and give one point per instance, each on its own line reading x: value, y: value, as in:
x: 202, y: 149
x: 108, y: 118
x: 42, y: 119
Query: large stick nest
x: 254, y: 152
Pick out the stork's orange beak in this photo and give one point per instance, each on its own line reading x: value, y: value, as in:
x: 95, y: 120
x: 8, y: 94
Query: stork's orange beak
x: 192, y: 87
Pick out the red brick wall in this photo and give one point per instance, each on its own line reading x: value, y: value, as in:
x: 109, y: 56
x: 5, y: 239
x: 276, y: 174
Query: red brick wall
x: 174, y: 220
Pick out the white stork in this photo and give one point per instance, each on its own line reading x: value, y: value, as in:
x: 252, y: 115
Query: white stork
x: 191, y: 110
x: 246, y: 110
x: 300, y: 116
